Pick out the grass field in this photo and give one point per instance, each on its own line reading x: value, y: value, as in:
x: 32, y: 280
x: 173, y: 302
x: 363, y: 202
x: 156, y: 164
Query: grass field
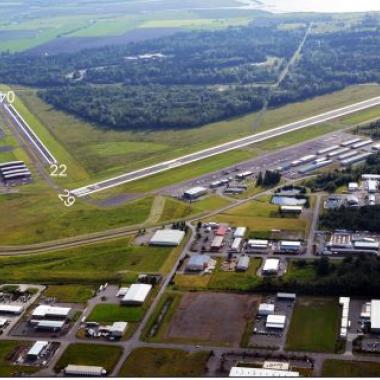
x: 221, y: 280
x: 153, y: 362
x: 70, y: 293
x: 109, y: 313
x: 311, y: 317
x: 116, y: 261
x: 90, y: 354
x: 347, y: 368
x: 7, y: 348
x: 305, y: 273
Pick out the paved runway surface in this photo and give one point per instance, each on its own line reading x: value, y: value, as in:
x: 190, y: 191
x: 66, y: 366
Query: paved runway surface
x: 236, y: 144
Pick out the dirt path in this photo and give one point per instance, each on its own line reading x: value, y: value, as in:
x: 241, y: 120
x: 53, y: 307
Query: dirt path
x: 156, y: 210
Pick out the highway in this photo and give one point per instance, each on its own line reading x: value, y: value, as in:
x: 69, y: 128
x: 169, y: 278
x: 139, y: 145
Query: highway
x: 223, y: 148
x: 30, y: 135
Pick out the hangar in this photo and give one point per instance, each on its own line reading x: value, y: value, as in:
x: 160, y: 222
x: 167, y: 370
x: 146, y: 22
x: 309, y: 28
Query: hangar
x: 275, y: 322
x: 37, y: 349
x: 84, y: 370
x: 260, y: 372
x: 271, y: 266
x: 194, y: 193
x: 136, y: 294
x: 45, y: 311
x: 11, y: 309
x: 167, y: 238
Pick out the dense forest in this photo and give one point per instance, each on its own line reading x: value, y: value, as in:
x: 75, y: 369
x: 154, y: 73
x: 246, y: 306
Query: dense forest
x: 372, y: 129
x: 197, y: 77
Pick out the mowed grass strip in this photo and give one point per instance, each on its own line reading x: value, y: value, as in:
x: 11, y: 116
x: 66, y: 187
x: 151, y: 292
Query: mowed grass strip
x: 109, y: 313
x: 116, y: 261
x: 72, y: 293
x: 7, y: 349
x: 156, y: 362
x: 350, y: 368
x: 105, y: 356
x: 314, y: 325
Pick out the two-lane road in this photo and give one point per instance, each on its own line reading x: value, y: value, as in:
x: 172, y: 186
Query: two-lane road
x: 223, y: 148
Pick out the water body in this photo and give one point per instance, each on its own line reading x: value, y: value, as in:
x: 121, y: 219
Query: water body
x: 287, y: 201
x: 333, y: 6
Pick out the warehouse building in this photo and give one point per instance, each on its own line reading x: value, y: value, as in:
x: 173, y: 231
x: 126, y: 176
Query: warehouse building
x: 257, y: 245
x: 260, y: 372
x: 240, y: 232
x: 371, y: 186
x: 271, y: 267
x: 14, y: 171
x: 277, y: 322
x: 353, y: 186
x: 265, y: 309
x: 197, y: 263
x: 118, y: 329
x: 344, y: 302
x: 350, y: 142
x: 291, y: 209
x: 48, y: 325
x: 361, y: 144
x: 236, y: 245
x: 286, y: 296
x: 36, y: 350
x: 221, y: 231
x: 171, y: 238
x: 358, y: 158
x: 84, y: 370
x: 287, y: 246
x: 11, y: 309
x: 47, y: 311
x: 243, y: 264
x: 217, y: 243
x: 136, y: 294
x: 194, y: 193
x: 375, y: 316
x: 328, y: 149
x: 375, y: 177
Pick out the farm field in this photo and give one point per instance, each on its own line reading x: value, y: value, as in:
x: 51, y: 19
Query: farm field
x: 310, y: 317
x: 70, y: 293
x: 346, y: 368
x: 147, y: 362
x: 7, y: 348
x: 116, y: 261
x: 105, y: 356
x: 212, y: 318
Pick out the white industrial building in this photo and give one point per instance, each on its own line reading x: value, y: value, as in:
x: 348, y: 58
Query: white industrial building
x: 194, y: 193
x: 84, y: 370
x: 240, y: 232
x: 375, y: 316
x: 286, y: 296
x: 243, y: 264
x: 237, y: 245
x: 260, y: 372
x: 118, y: 329
x: 3, y: 322
x: 271, y: 266
x: 217, y: 243
x: 266, y: 309
x: 197, y: 263
x: 11, y: 309
x: 171, y: 238
x: 47, y: 311
x: 375, y: 177
x: 48, y: 325
x: 353, y: 186
x: 371, y: 186
x: 122, y: 292
x: 344, y: 322
x: 136, y: 294
x: 258, y: 244
x: 37, y: 349
x: 291, y: 209
x: 287, y: 246
x: 275, y: 322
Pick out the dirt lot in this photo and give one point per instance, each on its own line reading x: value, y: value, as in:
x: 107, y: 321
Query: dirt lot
x: 219, y: 318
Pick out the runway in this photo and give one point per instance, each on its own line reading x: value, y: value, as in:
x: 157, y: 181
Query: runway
x: 223, y: 148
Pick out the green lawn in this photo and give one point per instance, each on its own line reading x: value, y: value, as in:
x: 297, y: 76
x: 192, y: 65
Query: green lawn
x: 7, y: 348
x: 109, y: 313
x: 70, y: 293
x: 347, y: 368
x: 90, y: 354
x: 303, y: 273
x: 258, y: 208
x: 117, y: 261
x: 153, y: 362
x: 314, y: 325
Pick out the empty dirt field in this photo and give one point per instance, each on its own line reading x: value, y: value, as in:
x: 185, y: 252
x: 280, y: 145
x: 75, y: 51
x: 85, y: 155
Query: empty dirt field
x: 215, y: 318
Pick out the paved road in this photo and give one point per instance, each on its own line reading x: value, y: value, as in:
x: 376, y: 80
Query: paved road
x: 223, y: 148
x: 313, y: 226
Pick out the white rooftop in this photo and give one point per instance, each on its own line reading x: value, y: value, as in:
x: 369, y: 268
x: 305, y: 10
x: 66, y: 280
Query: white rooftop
x: 375, y: 314
x: 50, y: 324
x: 196, y: 190
x: 167, y: 237
x: 13, y: 309
x: 137, y: 293
x: 88, y: 370
x: 51, y: 311
x: 260, y: 242
x: 290, y: 243
x: 260, y: 372
x: 240, y: 232
x: 271, y: 265
x: 37, y: 348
